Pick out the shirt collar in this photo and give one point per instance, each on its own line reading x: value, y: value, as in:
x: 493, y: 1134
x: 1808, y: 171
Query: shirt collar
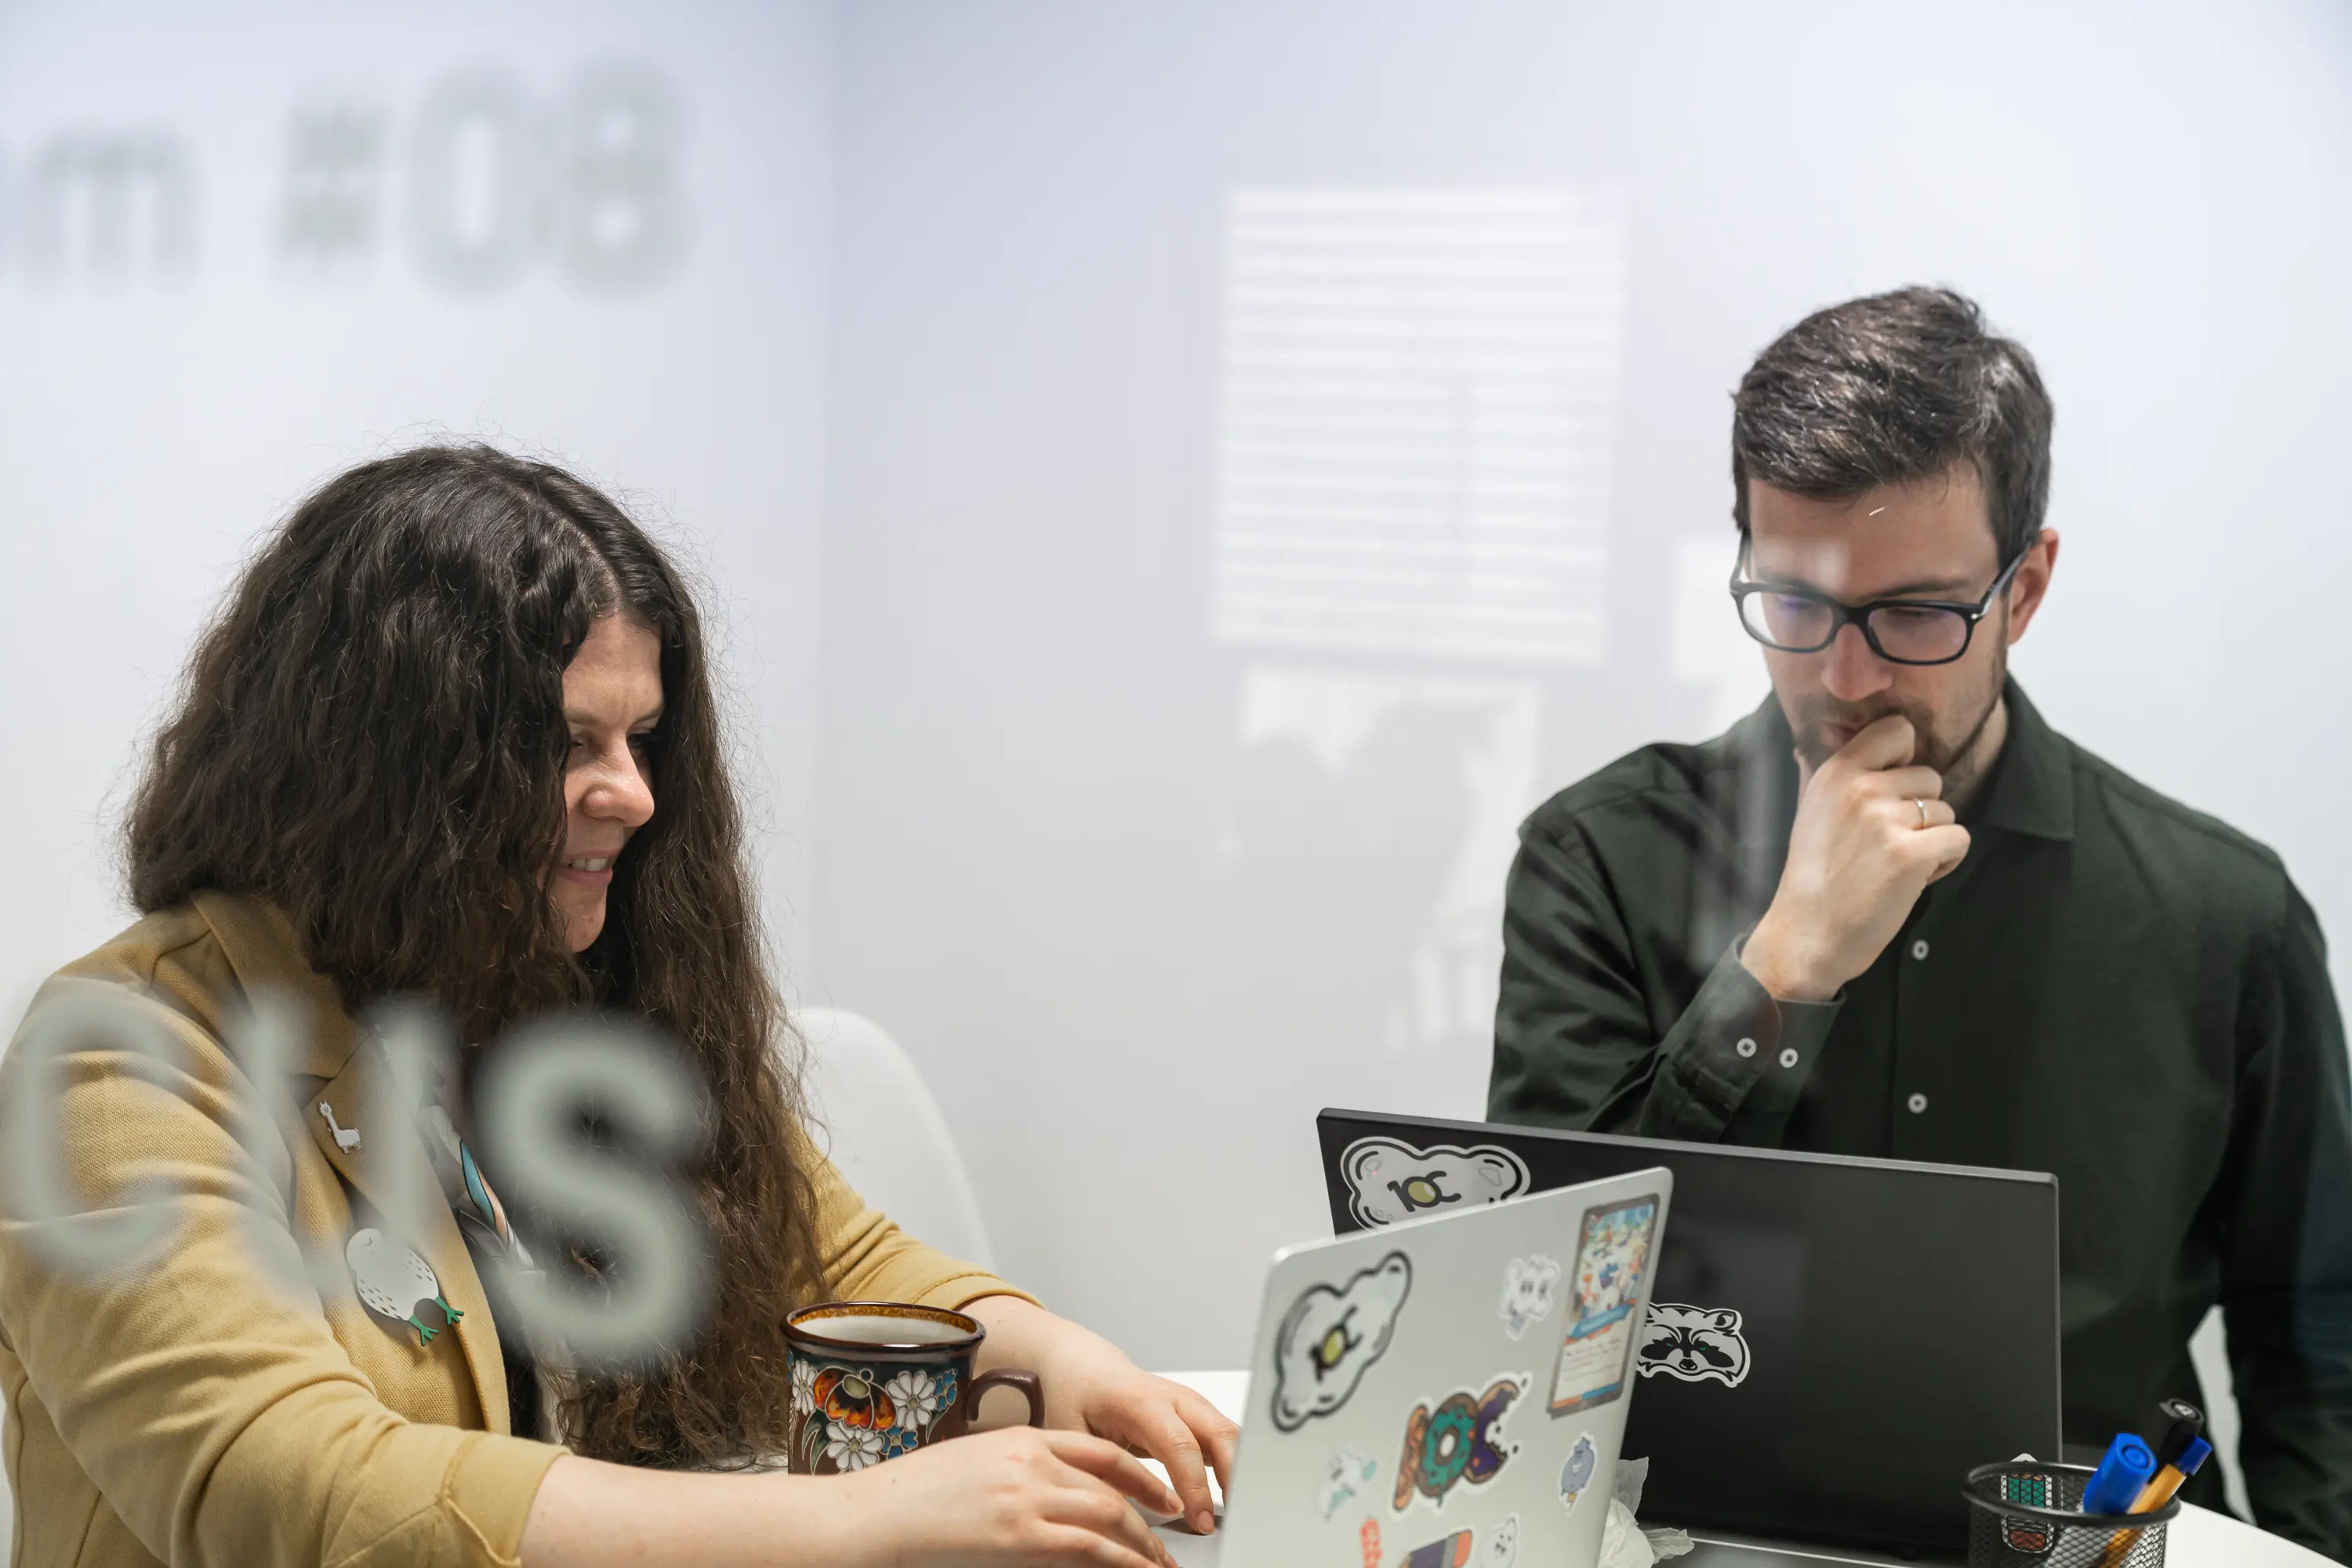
x: 2031, y: 790
x: 263, y: 948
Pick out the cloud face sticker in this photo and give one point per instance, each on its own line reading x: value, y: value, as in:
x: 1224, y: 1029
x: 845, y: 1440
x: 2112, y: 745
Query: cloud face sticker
x: 1528, y: 1287
x: 1389, y: 1180
x: 1330, y: 1338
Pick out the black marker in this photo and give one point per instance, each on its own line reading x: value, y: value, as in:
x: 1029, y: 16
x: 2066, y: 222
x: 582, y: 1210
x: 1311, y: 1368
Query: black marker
x: 2187, y: 1422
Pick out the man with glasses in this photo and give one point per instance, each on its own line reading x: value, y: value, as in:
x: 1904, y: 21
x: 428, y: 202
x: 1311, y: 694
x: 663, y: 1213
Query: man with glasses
x: 1893, y: 913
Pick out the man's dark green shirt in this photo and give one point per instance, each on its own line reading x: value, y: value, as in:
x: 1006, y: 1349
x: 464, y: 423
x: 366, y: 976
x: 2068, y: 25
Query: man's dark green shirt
x: 2111, y: 987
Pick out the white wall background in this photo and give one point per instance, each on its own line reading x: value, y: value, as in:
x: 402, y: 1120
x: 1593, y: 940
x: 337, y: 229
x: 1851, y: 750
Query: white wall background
x: 967, y: 340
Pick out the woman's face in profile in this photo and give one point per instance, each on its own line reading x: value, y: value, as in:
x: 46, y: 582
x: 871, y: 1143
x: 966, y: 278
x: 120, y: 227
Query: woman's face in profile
x: 612, y: 700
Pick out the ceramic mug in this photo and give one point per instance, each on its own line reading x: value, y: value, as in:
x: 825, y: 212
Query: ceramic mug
x: 873, y: 1380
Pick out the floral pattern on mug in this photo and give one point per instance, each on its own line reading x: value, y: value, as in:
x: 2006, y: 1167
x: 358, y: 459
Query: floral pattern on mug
x: 851, y: 1416
x: 919, y: 1396
x: 854, y: 1448
x: 803, y: 1387
x: 852, y: 1398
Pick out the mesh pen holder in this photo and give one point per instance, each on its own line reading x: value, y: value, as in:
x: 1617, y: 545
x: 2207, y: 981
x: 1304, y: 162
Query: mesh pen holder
x: 2022, y: 1515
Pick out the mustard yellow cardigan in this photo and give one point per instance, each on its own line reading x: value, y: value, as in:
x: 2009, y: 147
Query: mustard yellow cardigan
x: 188, y: 1412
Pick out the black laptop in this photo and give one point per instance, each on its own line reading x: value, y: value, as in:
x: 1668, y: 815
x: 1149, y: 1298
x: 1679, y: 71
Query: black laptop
x: 1833, y: 1344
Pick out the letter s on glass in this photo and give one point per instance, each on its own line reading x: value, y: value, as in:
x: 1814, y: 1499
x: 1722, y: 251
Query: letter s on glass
x: 536, y: 1084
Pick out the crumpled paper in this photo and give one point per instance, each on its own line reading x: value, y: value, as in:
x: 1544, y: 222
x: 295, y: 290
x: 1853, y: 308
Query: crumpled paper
x: 1623, y: 1542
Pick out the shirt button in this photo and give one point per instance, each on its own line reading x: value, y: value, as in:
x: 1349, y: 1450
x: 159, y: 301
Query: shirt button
x: 1918, y: 1102
x: 1746, y: 1048
x: 1919, y: 948
x: 1788, y: 1057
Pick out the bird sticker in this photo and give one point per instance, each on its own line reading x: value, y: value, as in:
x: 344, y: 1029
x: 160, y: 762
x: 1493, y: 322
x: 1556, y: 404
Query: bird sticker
x: 391, y: 1280
x: 1576, y: 1475
x: 1343, y: 1475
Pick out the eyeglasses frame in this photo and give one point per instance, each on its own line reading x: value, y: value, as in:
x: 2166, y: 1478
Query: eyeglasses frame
x: 1858, y: 616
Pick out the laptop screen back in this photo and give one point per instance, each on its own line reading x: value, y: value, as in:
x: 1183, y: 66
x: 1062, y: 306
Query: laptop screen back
x: 1833, y: 1344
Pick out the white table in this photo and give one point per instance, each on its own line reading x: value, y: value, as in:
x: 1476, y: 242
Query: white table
x: 2197, y: 1538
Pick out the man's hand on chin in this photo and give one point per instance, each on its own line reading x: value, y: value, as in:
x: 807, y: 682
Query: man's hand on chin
x: 1872, y: 832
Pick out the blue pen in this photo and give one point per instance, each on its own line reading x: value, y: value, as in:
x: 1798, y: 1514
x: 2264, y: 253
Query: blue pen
x: 2116, y: 1485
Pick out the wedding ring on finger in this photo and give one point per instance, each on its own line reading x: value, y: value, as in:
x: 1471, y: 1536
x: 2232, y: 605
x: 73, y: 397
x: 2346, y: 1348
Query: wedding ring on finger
x: 1921, y: 802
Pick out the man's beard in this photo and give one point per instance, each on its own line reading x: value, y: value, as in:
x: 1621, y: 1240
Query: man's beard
x: 1939, y: 745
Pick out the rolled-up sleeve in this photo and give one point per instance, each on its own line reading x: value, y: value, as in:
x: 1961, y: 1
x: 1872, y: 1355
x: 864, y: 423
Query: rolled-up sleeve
x: 1575, y: 1046
x: 212, y: 1406
x: 865, y: 1257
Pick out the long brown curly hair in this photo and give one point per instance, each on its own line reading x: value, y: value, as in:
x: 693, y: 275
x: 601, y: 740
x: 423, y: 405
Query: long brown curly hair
x: 371, y: 736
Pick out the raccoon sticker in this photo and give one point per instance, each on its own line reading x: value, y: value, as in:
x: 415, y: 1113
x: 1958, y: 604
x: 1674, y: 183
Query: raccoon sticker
x: 1695, y: 1344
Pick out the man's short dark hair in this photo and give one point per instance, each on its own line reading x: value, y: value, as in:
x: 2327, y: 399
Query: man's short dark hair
x: 1892, y: 388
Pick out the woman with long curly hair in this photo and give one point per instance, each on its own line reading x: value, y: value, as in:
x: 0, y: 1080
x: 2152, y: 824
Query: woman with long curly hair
x: 453, y: 739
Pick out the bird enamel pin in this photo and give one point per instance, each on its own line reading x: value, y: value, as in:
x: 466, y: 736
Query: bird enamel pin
x: 391, y: 1280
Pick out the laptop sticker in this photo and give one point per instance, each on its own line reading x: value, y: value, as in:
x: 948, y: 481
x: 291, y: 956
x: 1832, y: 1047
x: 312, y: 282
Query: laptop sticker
x: 1370, y: 1538
x: 1695, y: 1344
x: 1389, y: 1180
x: 1458, y: 1440
x: 1529, y: 1285
x: 1577, y: 1474
x: 1502, y: 1544
x: 1604, y: 1299
x: 1454, y: 1551
x: 1344, y: 1474
x: 1331, y: 1336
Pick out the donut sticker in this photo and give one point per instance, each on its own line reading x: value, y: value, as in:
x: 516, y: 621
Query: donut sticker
x: 1456, y: 1441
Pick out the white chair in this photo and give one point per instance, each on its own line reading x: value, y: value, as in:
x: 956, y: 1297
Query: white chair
x: 2208, y: 1350
x: 884, y: 1132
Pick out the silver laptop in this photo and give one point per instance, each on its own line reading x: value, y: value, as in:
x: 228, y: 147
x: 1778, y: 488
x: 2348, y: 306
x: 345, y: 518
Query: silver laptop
x: 1449, y: 1391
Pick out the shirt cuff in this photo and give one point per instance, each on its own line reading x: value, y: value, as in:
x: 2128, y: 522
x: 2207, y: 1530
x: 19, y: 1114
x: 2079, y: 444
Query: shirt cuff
x: 487, y: 1492
x: 1750, y: 1051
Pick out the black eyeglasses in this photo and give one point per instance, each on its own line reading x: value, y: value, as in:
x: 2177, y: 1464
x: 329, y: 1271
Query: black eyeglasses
x: 1900, y: 631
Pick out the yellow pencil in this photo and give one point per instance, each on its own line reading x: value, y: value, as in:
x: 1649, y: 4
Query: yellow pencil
x: 2158, y: 1491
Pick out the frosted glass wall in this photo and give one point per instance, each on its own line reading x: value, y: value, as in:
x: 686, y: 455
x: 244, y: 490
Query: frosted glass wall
x: 1179, y: 482
x: 1274, y: 447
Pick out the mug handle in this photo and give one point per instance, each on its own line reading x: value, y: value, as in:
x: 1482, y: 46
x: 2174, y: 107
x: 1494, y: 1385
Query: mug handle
x: 1002, y: 1377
